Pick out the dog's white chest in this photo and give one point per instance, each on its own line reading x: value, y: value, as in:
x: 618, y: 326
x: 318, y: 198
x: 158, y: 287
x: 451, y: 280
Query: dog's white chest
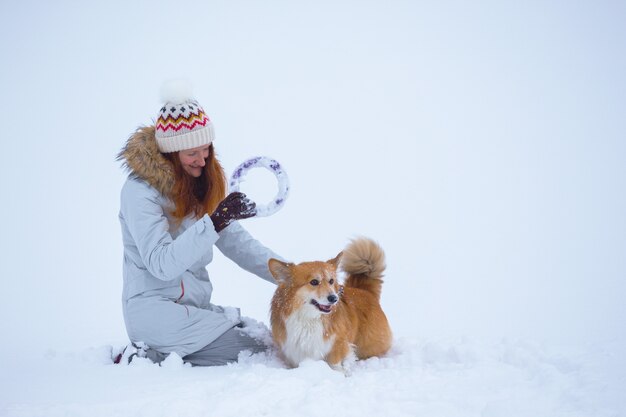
x: 305, y: 339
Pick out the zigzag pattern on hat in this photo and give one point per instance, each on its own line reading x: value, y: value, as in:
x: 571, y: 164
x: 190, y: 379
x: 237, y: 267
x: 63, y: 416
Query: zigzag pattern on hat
x: 165, y: 124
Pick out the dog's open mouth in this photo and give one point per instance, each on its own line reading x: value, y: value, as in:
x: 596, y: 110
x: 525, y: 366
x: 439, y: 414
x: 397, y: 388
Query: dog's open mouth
x: 321, y: 307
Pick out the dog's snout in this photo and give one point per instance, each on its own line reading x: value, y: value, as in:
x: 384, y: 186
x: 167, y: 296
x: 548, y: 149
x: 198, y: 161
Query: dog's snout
x: 332, y: 298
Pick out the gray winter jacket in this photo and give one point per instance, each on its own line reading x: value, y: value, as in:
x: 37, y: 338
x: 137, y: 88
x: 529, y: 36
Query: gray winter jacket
x: 167, y: 290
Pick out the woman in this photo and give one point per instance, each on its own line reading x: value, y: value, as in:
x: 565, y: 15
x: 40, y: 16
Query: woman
x: 174, y: 209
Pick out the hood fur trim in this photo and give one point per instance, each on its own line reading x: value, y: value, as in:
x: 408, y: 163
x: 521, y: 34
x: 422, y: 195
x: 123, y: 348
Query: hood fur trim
x: 141, y: 156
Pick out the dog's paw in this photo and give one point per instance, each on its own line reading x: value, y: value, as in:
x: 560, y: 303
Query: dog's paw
x: 346, y: 371
x: 347, y: 364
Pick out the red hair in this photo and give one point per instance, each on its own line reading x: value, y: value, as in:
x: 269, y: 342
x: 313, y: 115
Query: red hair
x: 197, y: 195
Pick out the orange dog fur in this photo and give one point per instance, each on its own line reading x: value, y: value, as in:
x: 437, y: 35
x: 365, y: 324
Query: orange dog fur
x: 314, y: 317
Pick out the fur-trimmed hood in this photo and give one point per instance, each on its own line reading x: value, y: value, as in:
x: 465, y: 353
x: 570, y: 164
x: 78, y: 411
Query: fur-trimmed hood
x: 141, y: 156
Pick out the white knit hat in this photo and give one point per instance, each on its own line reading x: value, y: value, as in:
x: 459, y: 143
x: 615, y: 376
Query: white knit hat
x: 181, y: 123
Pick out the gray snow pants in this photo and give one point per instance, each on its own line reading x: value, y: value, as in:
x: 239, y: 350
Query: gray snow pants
x: 223, y: 350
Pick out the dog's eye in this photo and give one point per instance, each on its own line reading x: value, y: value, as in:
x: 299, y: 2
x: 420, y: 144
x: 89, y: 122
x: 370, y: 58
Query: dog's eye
x: 314, y: 282
x: 331, y: 282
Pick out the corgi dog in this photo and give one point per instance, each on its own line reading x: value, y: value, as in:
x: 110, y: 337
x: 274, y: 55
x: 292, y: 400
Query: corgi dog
x: 314, y: 317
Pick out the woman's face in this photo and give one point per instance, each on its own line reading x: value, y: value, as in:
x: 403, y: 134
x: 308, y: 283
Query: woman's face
x: 193, y: 160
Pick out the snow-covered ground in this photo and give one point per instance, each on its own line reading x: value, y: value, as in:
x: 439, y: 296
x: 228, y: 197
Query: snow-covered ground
x: 417, y: 378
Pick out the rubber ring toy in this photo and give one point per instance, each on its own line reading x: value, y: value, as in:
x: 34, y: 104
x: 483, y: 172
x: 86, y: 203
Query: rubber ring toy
x: 263, y: 210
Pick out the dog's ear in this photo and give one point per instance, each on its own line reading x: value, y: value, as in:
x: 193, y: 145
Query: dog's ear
x: 281, y: 271
x: 335, y: 261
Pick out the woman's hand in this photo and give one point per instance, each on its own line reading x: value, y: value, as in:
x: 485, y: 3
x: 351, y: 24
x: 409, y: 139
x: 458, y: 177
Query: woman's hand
x: 235, y: 206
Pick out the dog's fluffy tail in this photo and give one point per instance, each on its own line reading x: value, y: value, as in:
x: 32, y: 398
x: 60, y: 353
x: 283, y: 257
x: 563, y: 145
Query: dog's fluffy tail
x: 363, y: 260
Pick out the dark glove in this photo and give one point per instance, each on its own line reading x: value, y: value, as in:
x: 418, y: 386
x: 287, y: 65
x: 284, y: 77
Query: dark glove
x: 235, y: 206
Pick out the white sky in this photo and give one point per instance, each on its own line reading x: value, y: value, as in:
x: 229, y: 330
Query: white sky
x: 482, y: 144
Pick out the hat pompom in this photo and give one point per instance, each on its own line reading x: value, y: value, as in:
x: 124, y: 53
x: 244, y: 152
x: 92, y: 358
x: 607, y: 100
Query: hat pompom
x: 176, y: 91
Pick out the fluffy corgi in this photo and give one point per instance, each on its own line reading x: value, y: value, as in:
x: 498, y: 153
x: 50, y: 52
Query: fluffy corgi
x: 314, y: 317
